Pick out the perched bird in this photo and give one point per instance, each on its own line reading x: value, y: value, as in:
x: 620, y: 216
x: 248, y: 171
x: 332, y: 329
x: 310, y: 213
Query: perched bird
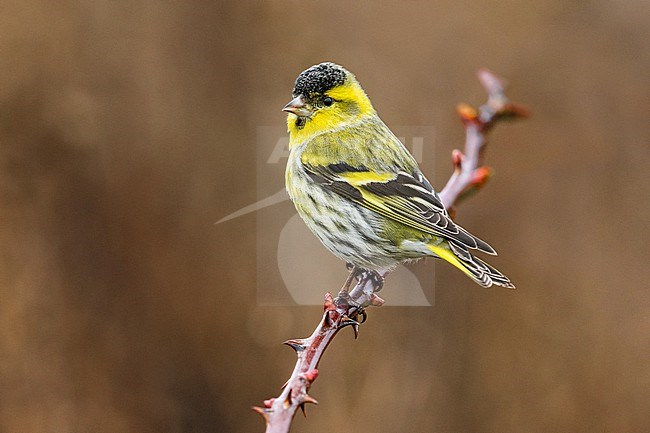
x: 360, y: 191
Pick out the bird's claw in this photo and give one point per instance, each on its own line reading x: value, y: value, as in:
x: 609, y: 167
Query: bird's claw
x: 345, y: 320
x: 361, y: 312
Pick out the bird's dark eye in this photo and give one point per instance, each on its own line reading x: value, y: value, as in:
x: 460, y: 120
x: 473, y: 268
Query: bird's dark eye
x: 327, y: 101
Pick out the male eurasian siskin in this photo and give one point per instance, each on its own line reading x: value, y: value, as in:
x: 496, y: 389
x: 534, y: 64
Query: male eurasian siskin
x: 360, y: 191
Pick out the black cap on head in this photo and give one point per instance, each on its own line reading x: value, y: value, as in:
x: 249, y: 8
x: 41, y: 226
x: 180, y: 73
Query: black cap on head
x: 319, y: 79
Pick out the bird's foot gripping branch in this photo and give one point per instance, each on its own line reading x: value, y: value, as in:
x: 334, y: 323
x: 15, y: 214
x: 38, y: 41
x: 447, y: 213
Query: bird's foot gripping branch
x: 348, y: 309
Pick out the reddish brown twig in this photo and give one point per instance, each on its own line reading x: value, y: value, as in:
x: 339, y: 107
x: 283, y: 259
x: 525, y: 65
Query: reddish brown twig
x: 339, y: 313
x: 469, y: 172
x: 469, y: 175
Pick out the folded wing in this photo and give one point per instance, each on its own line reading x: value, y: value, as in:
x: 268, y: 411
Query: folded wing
x: 404, y: 197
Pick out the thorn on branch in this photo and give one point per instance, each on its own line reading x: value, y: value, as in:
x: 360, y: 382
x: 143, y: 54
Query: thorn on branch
x: 309, y: 399
x: 263, y: 412
x: 327, y: 320
x: 297, y: 345
x: 287, y: 400
x: 306, y: 400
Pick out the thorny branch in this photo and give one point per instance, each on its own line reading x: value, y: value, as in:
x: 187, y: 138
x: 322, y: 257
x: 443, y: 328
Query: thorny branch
x: 347, y: 309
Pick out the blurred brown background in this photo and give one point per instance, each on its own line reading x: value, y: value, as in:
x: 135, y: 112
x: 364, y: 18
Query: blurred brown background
x: 128, y: 128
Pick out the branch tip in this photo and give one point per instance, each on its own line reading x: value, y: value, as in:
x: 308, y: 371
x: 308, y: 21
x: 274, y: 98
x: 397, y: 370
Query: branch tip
x: 491, y: 82
x: 469, y: 175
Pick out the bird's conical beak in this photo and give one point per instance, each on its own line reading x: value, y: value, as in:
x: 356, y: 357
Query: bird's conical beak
x: 298, y: 106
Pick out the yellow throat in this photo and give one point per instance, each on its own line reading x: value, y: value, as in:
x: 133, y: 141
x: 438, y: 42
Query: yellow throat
x: 352, y: 105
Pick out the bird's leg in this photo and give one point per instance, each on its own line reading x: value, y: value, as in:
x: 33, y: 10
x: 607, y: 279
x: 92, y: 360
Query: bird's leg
x: 354, y: 271
x: 377, y: 279
x: 343, y: 300
x: 353, y: 307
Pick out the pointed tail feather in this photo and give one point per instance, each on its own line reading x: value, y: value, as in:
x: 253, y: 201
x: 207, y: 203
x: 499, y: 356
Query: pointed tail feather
x: 484, y: 274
